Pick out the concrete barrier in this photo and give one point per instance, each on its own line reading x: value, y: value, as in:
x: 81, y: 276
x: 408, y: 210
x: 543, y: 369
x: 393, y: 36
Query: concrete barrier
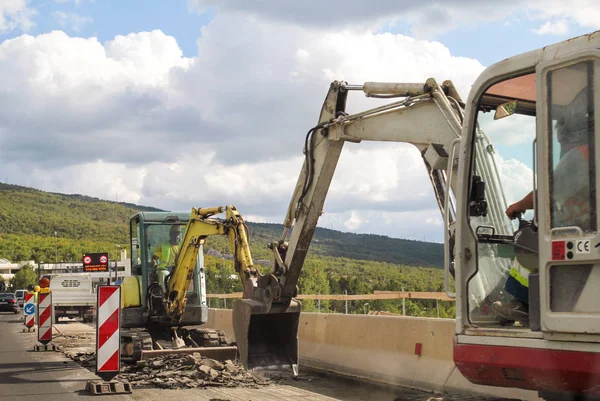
x: 404, y: 351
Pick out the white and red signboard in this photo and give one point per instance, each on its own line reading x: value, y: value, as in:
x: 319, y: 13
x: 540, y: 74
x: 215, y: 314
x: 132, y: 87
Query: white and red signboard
x: 44, y: 308
x: 29, y: 310
x: 108, y: 332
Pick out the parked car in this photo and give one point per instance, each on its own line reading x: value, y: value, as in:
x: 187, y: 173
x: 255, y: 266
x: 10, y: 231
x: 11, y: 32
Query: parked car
x: 20, y: 296
x: 8, y: 303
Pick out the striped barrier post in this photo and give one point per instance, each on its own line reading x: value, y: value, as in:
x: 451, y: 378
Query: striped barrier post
x: 29, y: 312
x: 108, y: 331
x: 44, y: 318
x: 108, y: 342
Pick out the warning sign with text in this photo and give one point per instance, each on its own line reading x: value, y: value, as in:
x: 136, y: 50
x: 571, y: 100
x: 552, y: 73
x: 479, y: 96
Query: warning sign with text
x: 95, y: 262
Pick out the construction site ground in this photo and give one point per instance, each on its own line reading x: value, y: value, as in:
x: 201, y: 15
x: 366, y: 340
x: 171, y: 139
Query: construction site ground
x: 62, y: 375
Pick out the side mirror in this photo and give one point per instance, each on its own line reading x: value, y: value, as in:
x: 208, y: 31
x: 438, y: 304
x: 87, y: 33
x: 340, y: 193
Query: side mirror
x: 505, y: 110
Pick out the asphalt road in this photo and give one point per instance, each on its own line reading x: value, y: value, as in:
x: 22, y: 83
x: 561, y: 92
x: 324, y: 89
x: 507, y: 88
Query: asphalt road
x: 50, y: 376
x: 29, y: 375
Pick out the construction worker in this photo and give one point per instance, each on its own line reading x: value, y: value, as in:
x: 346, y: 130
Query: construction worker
x: 164, y: 254
x: 570, y: 200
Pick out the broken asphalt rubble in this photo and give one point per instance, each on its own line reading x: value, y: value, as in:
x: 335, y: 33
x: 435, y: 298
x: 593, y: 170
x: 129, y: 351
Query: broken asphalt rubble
x: 177, y: 371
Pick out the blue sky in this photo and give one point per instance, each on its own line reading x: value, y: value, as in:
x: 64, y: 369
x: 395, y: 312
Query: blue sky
x: 105, y: 19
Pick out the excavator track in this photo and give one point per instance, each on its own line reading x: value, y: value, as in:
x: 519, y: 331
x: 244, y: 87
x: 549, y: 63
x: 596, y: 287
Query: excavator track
x: 140, y: 345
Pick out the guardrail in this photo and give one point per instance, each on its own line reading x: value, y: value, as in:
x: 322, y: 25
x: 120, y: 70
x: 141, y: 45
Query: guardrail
x: 377, y: 295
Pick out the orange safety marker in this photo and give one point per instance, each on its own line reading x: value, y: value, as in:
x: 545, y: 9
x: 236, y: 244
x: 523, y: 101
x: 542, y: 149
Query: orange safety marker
x: 108, y: 331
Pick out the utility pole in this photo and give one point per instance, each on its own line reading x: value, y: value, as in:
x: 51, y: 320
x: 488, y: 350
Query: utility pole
x: 56, y: 248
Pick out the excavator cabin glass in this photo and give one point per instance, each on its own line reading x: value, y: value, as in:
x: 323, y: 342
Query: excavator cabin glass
x: 534, y: 151
x: 502, y: 174
x: 155, y: 243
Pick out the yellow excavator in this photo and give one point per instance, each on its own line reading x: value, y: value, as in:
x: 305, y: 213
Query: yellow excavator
x: 164, y: 300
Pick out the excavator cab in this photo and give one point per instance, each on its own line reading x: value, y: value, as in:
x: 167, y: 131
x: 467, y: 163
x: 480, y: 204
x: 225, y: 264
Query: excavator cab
x: 528, y: 313
x: 155, y: 239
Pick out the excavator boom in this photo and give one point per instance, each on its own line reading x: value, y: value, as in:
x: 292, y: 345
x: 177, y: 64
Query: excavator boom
x: 197, y: 229
x: 428, y: 116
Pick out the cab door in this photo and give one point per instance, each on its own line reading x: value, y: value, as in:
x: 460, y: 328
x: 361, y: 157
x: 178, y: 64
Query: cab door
x: 567, y: 204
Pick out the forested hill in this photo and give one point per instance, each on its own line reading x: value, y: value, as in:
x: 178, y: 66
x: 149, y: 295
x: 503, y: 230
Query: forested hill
x: 29, y: 218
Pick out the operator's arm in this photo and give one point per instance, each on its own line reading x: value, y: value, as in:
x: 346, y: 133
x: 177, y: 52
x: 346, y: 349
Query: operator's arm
x: 521, y: 206
x: 156, y: 256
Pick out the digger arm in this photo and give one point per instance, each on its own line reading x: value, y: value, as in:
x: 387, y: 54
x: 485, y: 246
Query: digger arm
x: 428, y: 116
x: 199, y: 227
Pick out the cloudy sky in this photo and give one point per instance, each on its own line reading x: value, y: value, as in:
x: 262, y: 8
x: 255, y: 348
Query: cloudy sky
x: 175, y: 103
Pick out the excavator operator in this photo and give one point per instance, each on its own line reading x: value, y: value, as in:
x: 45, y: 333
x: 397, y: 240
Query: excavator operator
x: 570, y: 197
x: 164, y: 254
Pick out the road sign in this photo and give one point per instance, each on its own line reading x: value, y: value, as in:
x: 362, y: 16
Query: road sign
x: 45, y: 317
x: 108, y: 331
x: 95, y: 262
x: 29, y: 305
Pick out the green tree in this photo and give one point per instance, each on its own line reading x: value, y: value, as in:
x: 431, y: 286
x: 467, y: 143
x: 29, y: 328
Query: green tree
x: 25, y: 275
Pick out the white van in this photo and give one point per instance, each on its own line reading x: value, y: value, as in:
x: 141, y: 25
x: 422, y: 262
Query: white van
x: 20, y: 295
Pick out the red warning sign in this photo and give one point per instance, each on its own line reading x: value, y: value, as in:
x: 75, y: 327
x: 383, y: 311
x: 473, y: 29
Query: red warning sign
x: 95, y: 262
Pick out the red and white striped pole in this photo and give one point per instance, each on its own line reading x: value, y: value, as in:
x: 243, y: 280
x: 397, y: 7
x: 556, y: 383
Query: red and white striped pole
x: 108, y: 331
x: 29, y: 310
x: 44, y: 308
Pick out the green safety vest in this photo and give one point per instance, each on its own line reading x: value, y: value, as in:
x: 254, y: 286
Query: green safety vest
x: 520, y: 273
x: 166, y: 254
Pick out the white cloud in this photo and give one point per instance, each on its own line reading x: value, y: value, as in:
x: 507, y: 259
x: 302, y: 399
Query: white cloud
x: 73, y: 21
x: 585, y: 13
x: 15, y: 14
x: 355, y: 221
x: 224, y: 127
x: 553, y: 28
x: 516, y: 178
x: 425, y: 19
x: 433, y: 221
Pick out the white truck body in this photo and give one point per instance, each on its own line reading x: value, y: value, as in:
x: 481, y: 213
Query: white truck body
x: 73, y: 296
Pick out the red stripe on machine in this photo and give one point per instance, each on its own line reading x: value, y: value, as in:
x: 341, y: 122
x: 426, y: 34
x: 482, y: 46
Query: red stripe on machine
x: 554, y: 371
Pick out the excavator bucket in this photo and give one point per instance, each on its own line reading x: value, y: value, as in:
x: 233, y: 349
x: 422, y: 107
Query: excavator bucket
x: 266, y: 340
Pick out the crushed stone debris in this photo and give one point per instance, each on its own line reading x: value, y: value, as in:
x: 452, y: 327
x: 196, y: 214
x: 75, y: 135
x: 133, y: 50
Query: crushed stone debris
x: 180, y: 371
x: 189, y: 371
